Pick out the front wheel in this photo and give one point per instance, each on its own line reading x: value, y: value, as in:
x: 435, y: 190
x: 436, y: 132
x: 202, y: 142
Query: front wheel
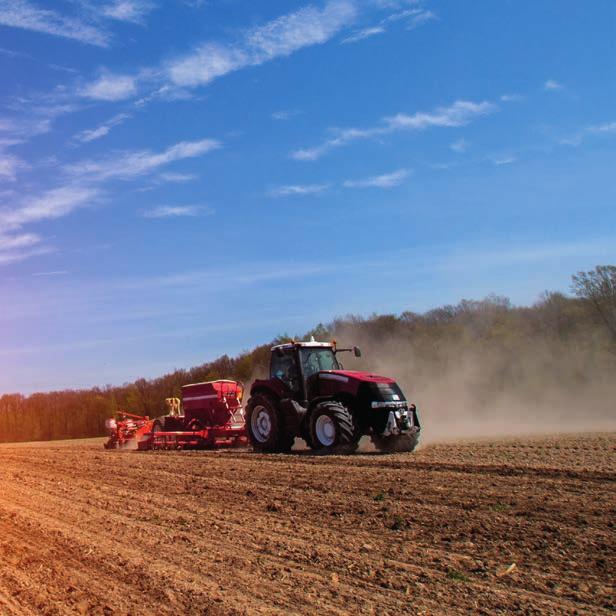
x: 266, y: 430
x: 332, y: 429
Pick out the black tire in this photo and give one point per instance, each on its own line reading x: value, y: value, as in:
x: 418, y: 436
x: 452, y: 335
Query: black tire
x: 196, y: 426
x: 343, y: 436
x: 395, y: 444
x: 171, y: 423
x: 158, y: 426
x: 266, y: 427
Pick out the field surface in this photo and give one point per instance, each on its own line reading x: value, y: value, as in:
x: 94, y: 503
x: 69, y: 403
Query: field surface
x: 513, y: 526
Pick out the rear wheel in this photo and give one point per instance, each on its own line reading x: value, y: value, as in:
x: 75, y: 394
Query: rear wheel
x: 332, y: 429
x: 395, y: 444
x: 157, y: 427
x: 266, y: 429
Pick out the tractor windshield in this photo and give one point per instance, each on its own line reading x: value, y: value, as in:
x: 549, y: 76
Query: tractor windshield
x: 315, y: 359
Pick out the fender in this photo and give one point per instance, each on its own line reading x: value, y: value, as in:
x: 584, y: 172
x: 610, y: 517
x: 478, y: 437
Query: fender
x: 274, y: 388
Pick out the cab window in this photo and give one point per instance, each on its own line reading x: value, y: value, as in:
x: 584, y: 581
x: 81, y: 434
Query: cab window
x: 316, y: 359
x: 283, y: 368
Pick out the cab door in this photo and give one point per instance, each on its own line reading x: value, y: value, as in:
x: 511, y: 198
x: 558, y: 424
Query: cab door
x: 283, y: 367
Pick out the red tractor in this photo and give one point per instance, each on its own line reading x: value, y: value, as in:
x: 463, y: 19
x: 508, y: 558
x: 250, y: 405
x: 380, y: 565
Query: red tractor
x: 309, y: 395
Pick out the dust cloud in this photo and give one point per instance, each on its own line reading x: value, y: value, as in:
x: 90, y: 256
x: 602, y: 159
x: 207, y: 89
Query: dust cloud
x: 464, y: 390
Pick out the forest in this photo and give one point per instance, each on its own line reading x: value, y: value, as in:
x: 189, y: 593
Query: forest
x: 477, y: 361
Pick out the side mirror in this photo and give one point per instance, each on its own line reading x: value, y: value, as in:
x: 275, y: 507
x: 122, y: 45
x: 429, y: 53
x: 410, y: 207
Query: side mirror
x: 357, y: 351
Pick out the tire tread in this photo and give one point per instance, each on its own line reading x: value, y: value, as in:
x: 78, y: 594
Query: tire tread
x: 348, y: 433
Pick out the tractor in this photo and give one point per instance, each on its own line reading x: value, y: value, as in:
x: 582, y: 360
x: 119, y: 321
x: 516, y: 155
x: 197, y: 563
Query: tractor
x: 310, y: 395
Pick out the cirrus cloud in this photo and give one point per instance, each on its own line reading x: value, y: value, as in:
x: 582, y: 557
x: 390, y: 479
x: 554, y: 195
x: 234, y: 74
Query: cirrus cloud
x: 131, y: 164
x: 110, y: 87
x: 386, y: 180
x: 176, y: 211
x: 460, y: 113
x: 278, y: 38
x: 298, y: 190
x: 24, y: 15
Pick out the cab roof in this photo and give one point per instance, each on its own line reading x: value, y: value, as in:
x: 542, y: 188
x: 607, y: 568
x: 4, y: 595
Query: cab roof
x: 311, y: 344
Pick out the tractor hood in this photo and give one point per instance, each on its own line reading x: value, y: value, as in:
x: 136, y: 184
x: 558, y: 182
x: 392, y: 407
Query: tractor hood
x: 351, y: 375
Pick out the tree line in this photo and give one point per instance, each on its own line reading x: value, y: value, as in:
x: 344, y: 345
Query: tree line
x: 475, y: 352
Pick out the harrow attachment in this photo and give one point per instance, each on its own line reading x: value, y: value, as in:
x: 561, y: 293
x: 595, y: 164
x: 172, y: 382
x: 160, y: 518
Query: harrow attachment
x: 127, y: 430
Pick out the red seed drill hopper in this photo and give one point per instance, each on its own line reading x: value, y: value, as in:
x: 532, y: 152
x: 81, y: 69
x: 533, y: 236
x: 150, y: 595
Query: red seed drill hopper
x: 209, y: 416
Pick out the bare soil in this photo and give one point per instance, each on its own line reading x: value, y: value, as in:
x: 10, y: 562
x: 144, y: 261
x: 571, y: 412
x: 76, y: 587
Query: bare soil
x: 85, y: 531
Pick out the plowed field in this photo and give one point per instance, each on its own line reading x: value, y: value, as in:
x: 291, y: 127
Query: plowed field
x: 512, y: 526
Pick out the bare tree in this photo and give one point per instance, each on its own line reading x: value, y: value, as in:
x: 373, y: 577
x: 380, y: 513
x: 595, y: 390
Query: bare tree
x: 599, y: 288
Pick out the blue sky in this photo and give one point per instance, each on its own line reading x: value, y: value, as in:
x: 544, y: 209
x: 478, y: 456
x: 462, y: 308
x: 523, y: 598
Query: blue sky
x: 188, y: 178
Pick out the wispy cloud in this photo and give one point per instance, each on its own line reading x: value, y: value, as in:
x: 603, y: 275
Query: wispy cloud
x: 14, y: 256
x: 458, y: 114
x: 54, y: 203
x: 176, y: 211
x: 10, y: 165
x: 85, y: 190
x: 414, y: 18
x: 110, y: 87
x: 11, y: 53
x: 53, y: 273
x: 128, y: 10
x: 504, y: 160
x: 460, y: 146
x: 608, y: 127
x: 597, y: 130
x: 444, y: 166
x: 365, y: 33
x: 303, y: 28
x: 30, y: 119
x: 285, y: 114
x: 177, y: 178
x: 400, y: 15
x: 24, y: 240
x: 278, y: 38
x: 387, y: 180
x: 19, y: 247
x: 27, y: 16
x: 551, y: 85
x: 132, y: 164
x: 421, y: 18
x: 572, y: 140
x: 209, y: 60
x: 298, y: 190
x: 102, y: 130
x: 512, y: 98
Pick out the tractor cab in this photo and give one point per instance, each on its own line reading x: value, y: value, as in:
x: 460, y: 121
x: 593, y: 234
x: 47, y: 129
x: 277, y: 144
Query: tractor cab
x: 295, y: 364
